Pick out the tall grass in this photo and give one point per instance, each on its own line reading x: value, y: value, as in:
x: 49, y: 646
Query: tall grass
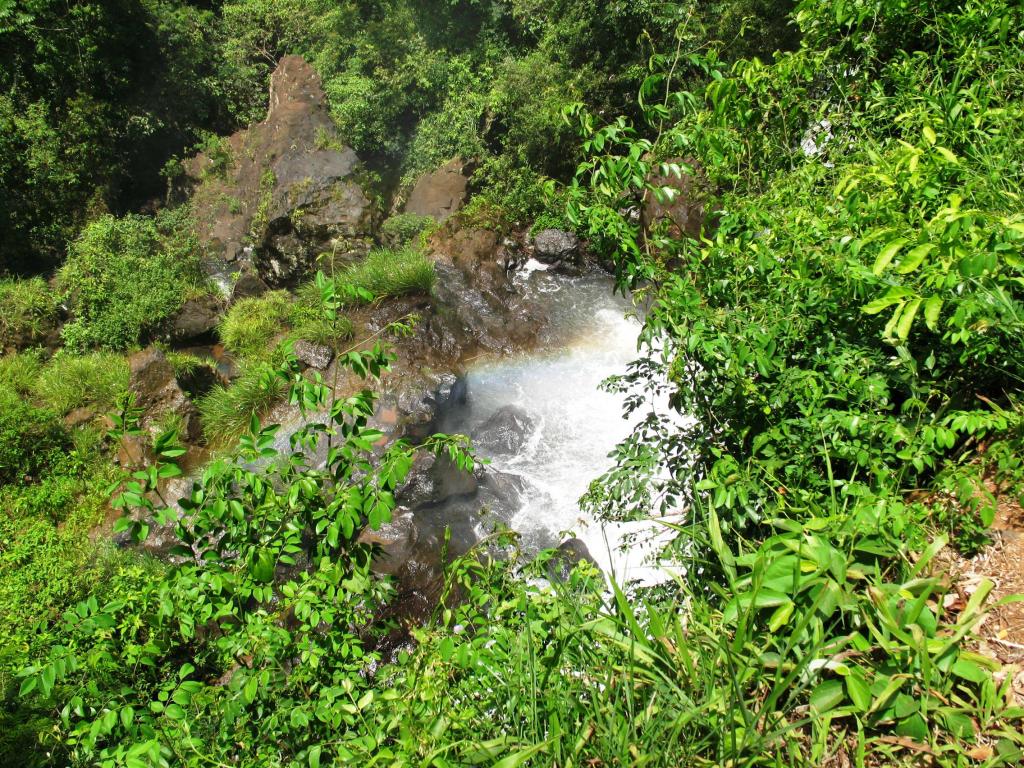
x: 227, y: 411
x: 19, y: 372
x: 387, y: 272
x: 71, y: 381
x: 251, y: 324
x: 27, y: 309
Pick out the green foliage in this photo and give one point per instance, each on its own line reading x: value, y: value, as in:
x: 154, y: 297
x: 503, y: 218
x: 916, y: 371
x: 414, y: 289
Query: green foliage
x: 96, y: 97
x: 845, y: 333
x: 387, y: 272
x: 31, y: 439
x: 401, y: 230
x: 28, y: 309
x: 125, y: 276
x: 248, y: 521
x: 71, y: 381
x: 19, y: 371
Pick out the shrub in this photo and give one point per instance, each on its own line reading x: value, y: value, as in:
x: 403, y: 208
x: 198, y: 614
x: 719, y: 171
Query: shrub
x: 227, y: 411
x: 252, y: 323
x: 96, y: 379
x: 391, y: 272
x: 125, y: 276
x: 28, y: 308
x: 400, y: 230
x: 31, y: 439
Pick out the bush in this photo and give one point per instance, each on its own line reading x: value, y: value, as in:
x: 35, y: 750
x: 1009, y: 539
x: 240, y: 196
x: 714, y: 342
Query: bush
x: 32, y: 439
x: 125, y: 276
x: 250, y: 325
x: 28, y: 309
x: 96, y: 380
x: 399, y: 231
x: 387, y: 272
x: 227, y: 411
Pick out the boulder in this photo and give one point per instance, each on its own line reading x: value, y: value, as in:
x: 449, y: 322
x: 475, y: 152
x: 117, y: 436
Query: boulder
x: 287, y: 191
x: 394, y: 543
x: 552, y: 246
x: 505, y: 432
x: 564, y: 560
x: 248, y: 286
x: 158, y: 393
x: 196, y: 320
x: 315, y: 356
x: 440, y: 193
x: 683, y: 213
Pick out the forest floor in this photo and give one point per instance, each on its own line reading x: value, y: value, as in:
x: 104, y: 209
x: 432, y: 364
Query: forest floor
x: 1000, y: 635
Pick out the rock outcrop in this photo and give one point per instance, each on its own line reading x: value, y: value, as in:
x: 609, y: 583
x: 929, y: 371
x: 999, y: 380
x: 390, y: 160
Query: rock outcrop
x: 441, y: 193
x: 554, y: 246
x: 285, y: 190
x: 158, y: 393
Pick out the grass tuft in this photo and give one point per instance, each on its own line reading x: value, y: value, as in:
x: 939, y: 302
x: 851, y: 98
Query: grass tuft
x: 28, y: 308
x: 251, y: 324
x: 226, y: 411
x: 387, y: 272
x: 96, y: 379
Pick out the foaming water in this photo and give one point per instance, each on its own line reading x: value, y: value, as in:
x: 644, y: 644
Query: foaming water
x: 591, y: 335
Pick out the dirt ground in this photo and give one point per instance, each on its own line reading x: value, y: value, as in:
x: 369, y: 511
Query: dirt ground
x: 1000, y: 635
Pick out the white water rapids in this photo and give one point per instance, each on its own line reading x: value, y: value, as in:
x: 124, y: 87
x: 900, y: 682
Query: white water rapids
x: 591, y: 334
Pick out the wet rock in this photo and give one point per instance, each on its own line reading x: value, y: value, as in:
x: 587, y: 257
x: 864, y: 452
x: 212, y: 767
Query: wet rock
x: 552, y: 246
x: 439, y: 194
x: 394, y: 543
x: 569, y: 554
x: 684, y: 213
x: 158, y: 393
x: 505, y: 432
x: 315, y: 356
x: 196, y: 320
x: 248, y: 286
x: 278, y: 194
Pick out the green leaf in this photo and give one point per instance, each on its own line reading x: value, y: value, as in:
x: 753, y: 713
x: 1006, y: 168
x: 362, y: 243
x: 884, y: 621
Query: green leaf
x: 932, y: 308
x: 907, y: 319
x: 314, y: 756
x: 826, y: 696
x: 894, y: 295
x: 929, y: 135
x: 914, y: 258
x: 262, y: 567
x: 859, y: 691
x: 887, y: 254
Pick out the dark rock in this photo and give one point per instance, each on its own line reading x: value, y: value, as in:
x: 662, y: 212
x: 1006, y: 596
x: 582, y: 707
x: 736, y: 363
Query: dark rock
x: 394, y: 543
x: 555, y: 245
x: 683, y: 214
x: 196, y: 320
x: 158, y: 393
x: 290, y: 189
x: 505, y: 432
x: 314, y: 355
x: 439, y: 194
x: 248, y: 286
x: 564, y: 560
